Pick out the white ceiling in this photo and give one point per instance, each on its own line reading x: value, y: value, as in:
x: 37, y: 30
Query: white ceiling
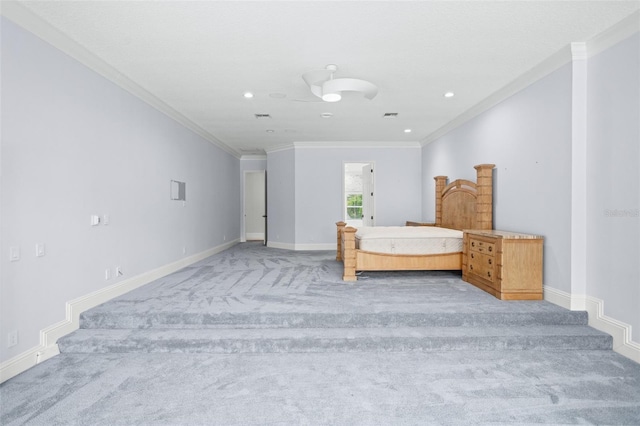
x: 199, y: 57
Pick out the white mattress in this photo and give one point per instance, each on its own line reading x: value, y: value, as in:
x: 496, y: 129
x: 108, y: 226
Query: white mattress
x: 409, y: 239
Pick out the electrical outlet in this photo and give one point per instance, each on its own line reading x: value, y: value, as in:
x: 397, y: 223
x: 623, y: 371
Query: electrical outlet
x: 224, y: 238
x: 12, y: 338
x: 184, y: 250
x: 40, y: 249
x: 107, y: 274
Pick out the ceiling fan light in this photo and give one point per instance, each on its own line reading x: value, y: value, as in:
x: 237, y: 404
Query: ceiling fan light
x: 338, y: 85
x: 331, y: 97
x: 329, y: 89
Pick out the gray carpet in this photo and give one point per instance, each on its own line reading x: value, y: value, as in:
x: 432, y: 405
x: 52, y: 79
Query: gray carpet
x: 256, y: 335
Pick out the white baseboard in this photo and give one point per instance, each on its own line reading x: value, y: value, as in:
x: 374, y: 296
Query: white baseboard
x: 50, y: 335
x: 253, y: 236
x: 284, y: 246
x: 621, y: 332
x: 302, y: 247
x: 325, y: 246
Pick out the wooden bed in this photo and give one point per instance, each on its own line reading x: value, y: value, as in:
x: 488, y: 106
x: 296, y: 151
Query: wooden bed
x: 461, y: 204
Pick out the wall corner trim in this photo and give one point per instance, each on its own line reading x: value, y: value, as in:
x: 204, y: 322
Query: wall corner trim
x: 620, y: 331
x: 48, y: 347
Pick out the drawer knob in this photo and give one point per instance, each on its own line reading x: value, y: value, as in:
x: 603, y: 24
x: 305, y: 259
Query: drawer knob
x: 471, y: 267
x: 490, y: 248
x: 490, y: 261
x: 472, y: 256
x: 489, y: 274
x: 473, y: 243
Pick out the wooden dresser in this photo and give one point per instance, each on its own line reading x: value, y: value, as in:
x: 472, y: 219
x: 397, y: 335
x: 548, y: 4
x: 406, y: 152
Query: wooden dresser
x: 507, y: 265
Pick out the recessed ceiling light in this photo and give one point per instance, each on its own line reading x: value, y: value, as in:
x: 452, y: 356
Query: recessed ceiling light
x: 331, y: 97
x: 407, y: 130
x: 248, y: 95
x: 449, y: 95
x: 270, y: 130
x: 326, y: 115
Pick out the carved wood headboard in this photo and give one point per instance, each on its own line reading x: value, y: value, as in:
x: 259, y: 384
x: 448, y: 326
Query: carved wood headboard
x: 463, y: 204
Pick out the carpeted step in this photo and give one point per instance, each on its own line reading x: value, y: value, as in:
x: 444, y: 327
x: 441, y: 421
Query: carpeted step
x: 292, y: 340
x: 101, y: 319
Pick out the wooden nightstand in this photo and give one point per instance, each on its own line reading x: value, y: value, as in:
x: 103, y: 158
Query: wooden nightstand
x: 507, y: 265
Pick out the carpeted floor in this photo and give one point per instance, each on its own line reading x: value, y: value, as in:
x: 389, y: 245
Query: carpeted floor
x: 256, y: 335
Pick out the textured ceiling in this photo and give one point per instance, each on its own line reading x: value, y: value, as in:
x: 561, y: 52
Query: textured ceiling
x: 199, y: 57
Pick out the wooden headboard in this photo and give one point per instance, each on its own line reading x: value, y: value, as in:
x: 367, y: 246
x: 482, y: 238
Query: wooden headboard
x: 463, y: 204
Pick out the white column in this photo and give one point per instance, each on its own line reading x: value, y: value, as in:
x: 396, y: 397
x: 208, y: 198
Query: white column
x: 579, y: 176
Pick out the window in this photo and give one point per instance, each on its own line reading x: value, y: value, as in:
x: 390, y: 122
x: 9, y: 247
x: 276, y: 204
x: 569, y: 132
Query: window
x: 354, y: 206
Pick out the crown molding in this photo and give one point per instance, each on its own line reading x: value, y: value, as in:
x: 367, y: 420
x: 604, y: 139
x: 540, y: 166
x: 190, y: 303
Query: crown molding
x: 278, y: 148
x: 614, y: 35
x: 253, y: 157
x: 546, y: 67
x: 342, y: 145
x: 356, y: 144
x: 31, y: 22
x: 574, y: 51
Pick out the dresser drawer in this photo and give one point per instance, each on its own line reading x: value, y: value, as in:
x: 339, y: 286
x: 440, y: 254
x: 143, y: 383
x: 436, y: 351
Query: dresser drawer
x: 481, y: 246
x: 482, y: 266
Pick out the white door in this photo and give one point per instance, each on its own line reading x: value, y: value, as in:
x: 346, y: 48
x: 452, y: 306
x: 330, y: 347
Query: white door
x: 367, y: 195
x: 254, y: 206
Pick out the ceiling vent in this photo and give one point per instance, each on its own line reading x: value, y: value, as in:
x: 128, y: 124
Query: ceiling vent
x: 262, y: 116
x: 390, y: 115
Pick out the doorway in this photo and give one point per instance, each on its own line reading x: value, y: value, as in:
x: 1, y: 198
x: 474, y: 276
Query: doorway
x: 358, y: 194
x: 255, y: 206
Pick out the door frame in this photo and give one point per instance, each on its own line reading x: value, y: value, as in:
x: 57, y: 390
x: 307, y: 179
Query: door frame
x: 343, y: 191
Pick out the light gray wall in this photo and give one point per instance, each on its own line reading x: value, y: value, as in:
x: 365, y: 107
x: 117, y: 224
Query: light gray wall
x: 281, y: 207
x: 74, y: 144
x: 613, y: 156
x: 528, y: 138
x: 253, y: 164
x: 318, y: 191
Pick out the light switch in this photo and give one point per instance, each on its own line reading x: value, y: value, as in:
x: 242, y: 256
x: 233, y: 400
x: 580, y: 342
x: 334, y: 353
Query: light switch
x: 14, y: 254
x: 40, y: 249
x: 95, y: 220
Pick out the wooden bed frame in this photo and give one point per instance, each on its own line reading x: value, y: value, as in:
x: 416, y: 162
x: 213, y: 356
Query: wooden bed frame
x: 462, y: 204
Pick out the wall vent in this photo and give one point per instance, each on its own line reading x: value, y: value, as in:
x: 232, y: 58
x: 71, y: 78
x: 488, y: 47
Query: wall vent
x: 262, y: 116
x: 390, y: 115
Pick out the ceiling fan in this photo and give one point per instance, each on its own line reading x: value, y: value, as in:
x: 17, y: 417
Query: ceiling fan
x: 323, y: 84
